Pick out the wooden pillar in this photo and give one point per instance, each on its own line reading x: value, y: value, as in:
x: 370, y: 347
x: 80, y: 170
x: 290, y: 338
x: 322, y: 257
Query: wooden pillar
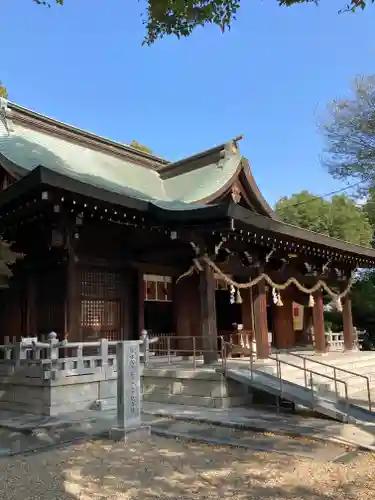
x: 31, y: 319
x: 182, y: 317
x: 246, y: 310
x: 283, y: 322
x: 348, y: 324
x: 208, y: 315
x: 318, y: 322
x: 260, y: 320
x: 73, y: 299
x: 140, y: 323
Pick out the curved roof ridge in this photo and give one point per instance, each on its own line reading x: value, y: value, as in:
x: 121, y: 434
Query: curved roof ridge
x: 30, y: 117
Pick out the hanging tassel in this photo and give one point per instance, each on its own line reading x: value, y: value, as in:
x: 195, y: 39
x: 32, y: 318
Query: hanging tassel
x: 311, y: 301
x: 232, y: 294
x: 338, y: 304
x: 276, y: 298
x: 238, y: 297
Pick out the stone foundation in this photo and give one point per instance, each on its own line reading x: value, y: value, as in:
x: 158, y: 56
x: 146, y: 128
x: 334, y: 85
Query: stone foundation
x: 98, y: 390
x: 55, y: 397
x: 207, y: 389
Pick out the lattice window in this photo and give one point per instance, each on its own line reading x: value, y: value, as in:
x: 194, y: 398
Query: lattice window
x: 100, y: 303
x: 98, y: 313
x: 157, y: 288
x: 99, y: 283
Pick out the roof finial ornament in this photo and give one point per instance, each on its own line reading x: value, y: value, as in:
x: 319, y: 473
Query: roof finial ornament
x: 5, y: 115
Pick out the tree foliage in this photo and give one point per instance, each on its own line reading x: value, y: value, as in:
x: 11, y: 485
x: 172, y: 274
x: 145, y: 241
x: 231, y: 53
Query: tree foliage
x: 141, y: 147
x: 181, y: 17
x: 3, y: 91
x: 339, y: 217
x: 350, y: 136
x: 7, y: 258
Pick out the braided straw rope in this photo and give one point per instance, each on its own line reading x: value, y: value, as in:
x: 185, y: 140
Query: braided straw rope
x: 197, y: 267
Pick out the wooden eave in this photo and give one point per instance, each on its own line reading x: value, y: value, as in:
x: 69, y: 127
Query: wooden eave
x: 252, y: 192
x: 248, y: 226
x: 242, y: 182
x: 296, y: 239
x: 44, y: 177
x: 14, y: 171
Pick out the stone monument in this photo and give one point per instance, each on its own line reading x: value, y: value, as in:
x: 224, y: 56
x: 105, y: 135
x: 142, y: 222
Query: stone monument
x: 129, y: 400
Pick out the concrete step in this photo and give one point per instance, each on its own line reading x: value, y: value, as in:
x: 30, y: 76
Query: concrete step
x: 349, y: 358
x: 360, y: 398
x: 291, y: 372
x: 322, y: 399
x: 326, y: 386
x: 351, y: 364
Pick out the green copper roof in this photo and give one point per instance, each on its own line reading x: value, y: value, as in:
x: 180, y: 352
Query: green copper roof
x: 30, y: 147
x: 202, y: 182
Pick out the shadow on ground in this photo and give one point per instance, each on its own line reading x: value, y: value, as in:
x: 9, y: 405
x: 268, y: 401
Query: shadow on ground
x: 170, y: 469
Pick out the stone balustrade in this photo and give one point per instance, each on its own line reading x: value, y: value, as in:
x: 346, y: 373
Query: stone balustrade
x: 336, y: 340
x: 49, y: 376
x: 52, y: 359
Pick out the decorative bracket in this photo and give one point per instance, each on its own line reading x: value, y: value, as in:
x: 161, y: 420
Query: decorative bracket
x: 236, y: 194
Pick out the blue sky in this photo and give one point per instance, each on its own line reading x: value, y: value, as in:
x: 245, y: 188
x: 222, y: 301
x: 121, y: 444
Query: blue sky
x: 269, y: 79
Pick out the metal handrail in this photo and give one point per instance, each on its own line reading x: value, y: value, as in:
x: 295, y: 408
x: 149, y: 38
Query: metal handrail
x: 335, y: 370
x: 197, y: 352
x: 306, y: 370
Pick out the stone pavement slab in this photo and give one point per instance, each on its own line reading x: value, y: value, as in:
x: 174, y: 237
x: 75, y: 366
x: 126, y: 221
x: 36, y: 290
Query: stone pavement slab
x: 15, y: 441
x: 41, y: 439
x: 362, y: 437
x: 81, y: 425
x: 219, y: 435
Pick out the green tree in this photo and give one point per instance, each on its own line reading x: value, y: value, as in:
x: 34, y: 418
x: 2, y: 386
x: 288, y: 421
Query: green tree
x: 141, y: 147
x: 3, y: 91
x: 180, y: 18
x: 7, y: 258
x: 339, y: 217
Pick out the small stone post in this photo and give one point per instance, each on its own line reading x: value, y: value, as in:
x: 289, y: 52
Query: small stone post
x: 145, y: 346
x: 104, y: 352
x: 128, y: 392
x: 53, y: 353
x: 53, y: 341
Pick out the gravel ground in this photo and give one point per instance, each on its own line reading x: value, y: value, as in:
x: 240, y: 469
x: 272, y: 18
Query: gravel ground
x: 169, y: 469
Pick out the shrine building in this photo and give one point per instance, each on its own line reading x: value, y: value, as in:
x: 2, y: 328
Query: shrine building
x: 116, y: 240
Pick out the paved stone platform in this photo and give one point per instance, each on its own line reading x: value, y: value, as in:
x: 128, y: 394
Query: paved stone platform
x: 23, y: 433
x: 260, y: 420
x: 255, y: 441
x: 26, y: 442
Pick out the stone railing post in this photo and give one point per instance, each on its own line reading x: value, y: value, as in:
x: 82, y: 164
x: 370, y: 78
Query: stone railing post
x: 7, y: 351
x: 53, y: 346
x: 79, y: 356
x: 145, y: 346
x: 104, y: 352
x: 19, y: 353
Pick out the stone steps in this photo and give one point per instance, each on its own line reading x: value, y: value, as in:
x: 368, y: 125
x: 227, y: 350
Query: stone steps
x: 358, y: 363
